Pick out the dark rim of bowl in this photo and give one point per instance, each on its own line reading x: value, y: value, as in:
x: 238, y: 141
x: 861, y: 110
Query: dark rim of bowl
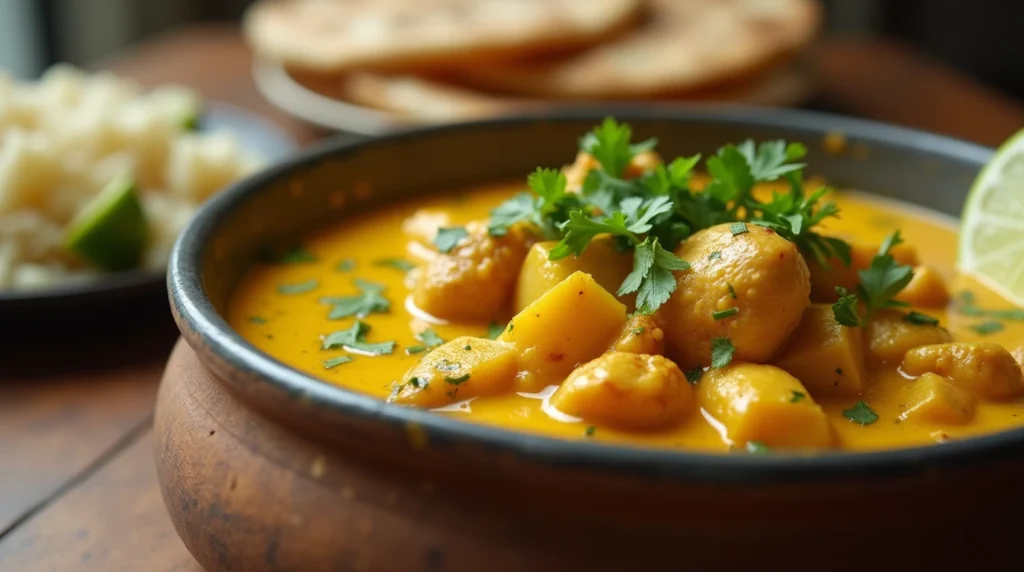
x: 200, y: 320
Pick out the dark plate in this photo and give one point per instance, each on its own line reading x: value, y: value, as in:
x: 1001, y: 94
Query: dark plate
x: 133, y: 296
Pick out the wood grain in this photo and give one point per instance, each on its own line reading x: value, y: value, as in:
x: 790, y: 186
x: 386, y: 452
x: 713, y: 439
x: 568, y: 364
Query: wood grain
x: 114, y: 521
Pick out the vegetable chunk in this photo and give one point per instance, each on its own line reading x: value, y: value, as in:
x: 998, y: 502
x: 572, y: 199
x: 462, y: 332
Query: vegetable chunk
x: 629, y: 391
x: 641, y: 335
x: 825, y: 280
x: 572, y: 323
x: 608, y: 266
x: 764, y: 403
x: 926, y: 289
x: 890, y: 336
x: 984, y: 369
x: 934, y: 399
x: 756, y: 272
x: 828, y: 358
x: 475, y: 280
x: 462, y: 368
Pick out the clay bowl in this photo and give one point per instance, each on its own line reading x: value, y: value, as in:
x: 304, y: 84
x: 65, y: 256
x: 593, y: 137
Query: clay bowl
x: 265, y: 468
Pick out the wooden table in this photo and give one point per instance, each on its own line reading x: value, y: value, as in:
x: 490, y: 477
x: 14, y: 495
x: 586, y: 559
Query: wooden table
x: 78, y: 489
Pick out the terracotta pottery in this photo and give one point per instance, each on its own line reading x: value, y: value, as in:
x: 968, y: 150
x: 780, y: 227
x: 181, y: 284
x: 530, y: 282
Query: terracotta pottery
x: 264, y: 468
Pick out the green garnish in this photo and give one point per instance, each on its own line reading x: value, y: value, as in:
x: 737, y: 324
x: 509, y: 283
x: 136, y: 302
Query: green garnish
x: 693, y: 375
x: 415, y: 350
x: 298, y: 288
x: 258, y: 320
x: 494, y: 330
x: 295, y: 255
x: 346, y: 265
x: 757, y: 448
x: 654, y: 212
x: 797, y: 396
x: 967, y: 305
x: 879, y: 285
x: 723, y: 314
x: 589, y: 431
x: 732, y: 292
x: 738, y: 228
x: 354, y: 339
x: 919, y: 319
x: 987, y: 327
x: 448, y: 237
x: 638, y: 331
x: 329, y: 363
x: 861, y: 413
x: 715, y: 255
x: 396, y: 263
x: 430, y: 338
x: 419, y: 383
x: 721, y: 352
x: 467, y: 347
x: 370, y: 300
x: 457, y: 380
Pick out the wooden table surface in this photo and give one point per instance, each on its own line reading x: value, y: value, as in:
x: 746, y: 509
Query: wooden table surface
x: 78, y: 488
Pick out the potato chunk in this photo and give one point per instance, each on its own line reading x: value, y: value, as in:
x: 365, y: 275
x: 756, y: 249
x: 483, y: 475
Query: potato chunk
x: 827, y: 357
x: 933, y: 399
x: 890, y: 336
x: 757, y: 272
x: 476, y: 280
x: 641, y: 335
x: 926, y: 289
x: 625, y: 390
x: 572, y: 323
x: 601, y: 260
x: 763, y: 403
x: 984, y: 369
x: 825, y: 280
x: 462, y: 368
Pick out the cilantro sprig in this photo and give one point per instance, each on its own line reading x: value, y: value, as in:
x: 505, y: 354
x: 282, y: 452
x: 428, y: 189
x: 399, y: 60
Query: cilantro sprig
x: 879, y: 284
x: 652, y: 212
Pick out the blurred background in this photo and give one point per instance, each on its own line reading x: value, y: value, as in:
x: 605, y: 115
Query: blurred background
x: 36, y: 33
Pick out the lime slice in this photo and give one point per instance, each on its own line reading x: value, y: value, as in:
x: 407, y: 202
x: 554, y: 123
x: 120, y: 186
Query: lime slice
x: 992, y: 224
x: 111, y: 232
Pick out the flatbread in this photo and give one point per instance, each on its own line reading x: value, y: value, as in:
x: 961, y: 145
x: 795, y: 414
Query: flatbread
x: 340, y: 35
x: 683, y: 45
x: 425, y: 100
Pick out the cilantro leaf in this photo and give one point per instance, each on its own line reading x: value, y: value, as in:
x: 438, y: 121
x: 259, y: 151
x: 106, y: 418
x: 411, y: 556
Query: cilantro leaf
x: 297, y: 288
x: 694, y: 375
x: 430, y: 338
x: 879, y: 285
x: 296, y: 255
x: 448, y: 237
x: 354, y: 340
x: 370, y: 300
x: 919, y: 319
x: 396, y: 263
x: 610, y: 144
x: 721, y: 352
x: 517, y: 209
x: 987, y: 327
x: 494, y: 330
x: 732, y: 177
x: 861, y: 413
x: 757, y: 448
x: 845, y: 309
x: 336, y: 361
x: 652, y: 277
x: 770, y: 160
x: 797, y: 397
x: 580, y: 229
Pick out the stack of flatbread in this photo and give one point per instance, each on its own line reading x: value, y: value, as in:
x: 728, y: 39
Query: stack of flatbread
x: 443, y: 60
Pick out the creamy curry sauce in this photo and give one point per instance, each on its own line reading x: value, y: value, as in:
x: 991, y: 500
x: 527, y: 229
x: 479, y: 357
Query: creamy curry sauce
x: 289, y: 326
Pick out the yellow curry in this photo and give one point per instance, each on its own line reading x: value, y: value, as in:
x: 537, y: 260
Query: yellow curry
x: 625, y: 298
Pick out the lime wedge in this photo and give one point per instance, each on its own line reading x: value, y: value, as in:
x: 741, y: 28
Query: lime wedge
x: 991, y: 244
x: 111, y: 232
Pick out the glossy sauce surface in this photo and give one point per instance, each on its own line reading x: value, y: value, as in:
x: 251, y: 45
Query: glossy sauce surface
x: 289, y: 326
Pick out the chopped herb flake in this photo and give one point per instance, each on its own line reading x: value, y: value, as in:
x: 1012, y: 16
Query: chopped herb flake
x: 353, y: 340
x: 329, y: 363
x: 346, y: 265
x: 258, y: 320
x: 879, y: 284
x: 861, y: 413
x: 414, y: 350
x: 297, y: 288
x: 757, y: 448
x: 370, y: 300
x: 396, y: 263
x: 693, y: 375
x: 494, y: 330
x: 295, y: 255
x: 721, y: 352
x: 467, y: 347
x: 419, y: 383
x: 430, y: 338
x: 732, y: 291
x: 987, y: 327
x: 920, y: 319
x: 723, y: 314
x: 797, y: 396
x: 715, y: 255
x: 589, y: 431
x: 638, y: 331
x: 448, y: 237
x: 738, y: 228
x: 457, y: 380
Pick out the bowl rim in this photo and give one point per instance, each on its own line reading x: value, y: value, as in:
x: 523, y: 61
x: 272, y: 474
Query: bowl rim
x: 203, y: 326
